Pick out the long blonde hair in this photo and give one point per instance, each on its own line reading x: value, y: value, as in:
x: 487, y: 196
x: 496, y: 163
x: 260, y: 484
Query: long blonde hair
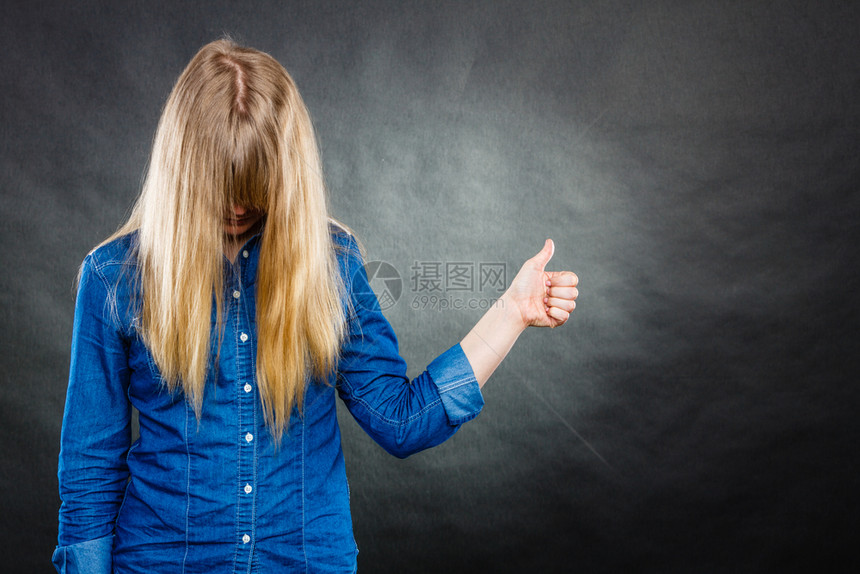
x: 236, y: 131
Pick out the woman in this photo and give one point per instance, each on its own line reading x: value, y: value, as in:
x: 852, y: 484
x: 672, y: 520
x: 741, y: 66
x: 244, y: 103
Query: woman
x: 228, y: 311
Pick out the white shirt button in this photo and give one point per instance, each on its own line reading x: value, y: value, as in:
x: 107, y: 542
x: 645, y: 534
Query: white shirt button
x: 249, y: 437
x: 246, y: 539
x: 236, y: 294
x: 247, y: 387
x: 243, y: 337
x: 248, y: 489
x: 245, y: 254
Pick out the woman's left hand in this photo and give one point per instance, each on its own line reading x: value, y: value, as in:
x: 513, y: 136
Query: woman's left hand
x: 543, y: 298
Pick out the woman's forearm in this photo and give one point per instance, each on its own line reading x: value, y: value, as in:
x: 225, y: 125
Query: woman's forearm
x: 535, y: 298
x: 489, y: 341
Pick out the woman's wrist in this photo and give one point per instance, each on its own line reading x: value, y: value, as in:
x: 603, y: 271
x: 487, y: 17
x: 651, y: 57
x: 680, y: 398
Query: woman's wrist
x: 513, y: 315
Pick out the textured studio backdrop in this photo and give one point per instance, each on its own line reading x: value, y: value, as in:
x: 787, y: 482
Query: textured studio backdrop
x: 696, y: 164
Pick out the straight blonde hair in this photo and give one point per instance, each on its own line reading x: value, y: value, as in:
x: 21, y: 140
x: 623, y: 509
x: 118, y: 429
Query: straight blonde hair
x: 235, y: 131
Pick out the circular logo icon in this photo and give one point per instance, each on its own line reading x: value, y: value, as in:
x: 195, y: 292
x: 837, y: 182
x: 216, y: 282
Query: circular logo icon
x: 385, y: 282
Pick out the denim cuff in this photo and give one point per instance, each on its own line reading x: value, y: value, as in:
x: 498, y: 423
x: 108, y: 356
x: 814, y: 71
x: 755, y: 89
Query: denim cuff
x: 90, y: 557
x: 453, y: 375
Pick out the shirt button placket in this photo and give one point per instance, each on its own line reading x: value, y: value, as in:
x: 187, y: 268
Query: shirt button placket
x: 247, y: 501
x: 244, y: 338
x: 247, y: 418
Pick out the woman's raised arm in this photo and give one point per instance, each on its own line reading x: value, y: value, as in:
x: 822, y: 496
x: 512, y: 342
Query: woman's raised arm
x: 535, y: 298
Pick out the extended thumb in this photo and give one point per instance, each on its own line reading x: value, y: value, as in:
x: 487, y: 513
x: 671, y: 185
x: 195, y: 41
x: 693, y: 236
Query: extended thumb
x: 546, y: 253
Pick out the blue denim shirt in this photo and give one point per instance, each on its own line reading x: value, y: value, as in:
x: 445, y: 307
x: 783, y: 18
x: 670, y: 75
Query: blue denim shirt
x: 215, y: 495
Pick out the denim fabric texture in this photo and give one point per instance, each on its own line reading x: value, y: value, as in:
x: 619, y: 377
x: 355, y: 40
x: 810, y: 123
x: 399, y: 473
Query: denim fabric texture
x: 214, y: 495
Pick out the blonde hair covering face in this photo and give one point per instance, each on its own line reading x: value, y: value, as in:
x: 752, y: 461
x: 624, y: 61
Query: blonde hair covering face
x: 236, y: 131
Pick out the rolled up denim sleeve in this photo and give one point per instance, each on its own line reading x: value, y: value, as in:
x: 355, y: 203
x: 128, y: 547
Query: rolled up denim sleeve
x: 92, y: 469
x: 402, y: 416
x: 90, y: 557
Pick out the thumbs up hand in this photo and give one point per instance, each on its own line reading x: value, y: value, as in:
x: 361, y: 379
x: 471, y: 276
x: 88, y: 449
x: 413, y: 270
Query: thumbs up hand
x: 543, y: 298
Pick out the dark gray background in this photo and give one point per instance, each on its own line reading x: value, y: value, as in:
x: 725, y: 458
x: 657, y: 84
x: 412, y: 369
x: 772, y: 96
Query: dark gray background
x: 696, y: 164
